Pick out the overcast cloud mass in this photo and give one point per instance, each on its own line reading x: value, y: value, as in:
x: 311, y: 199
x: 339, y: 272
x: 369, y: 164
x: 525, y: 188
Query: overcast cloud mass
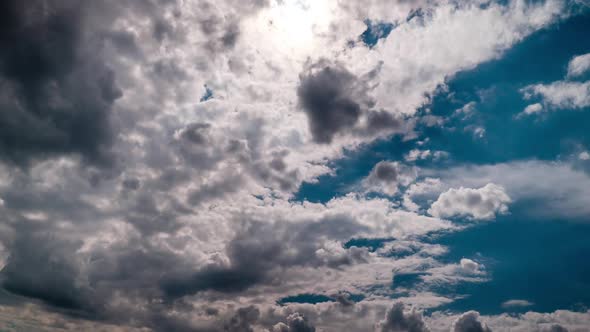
x: 294, y: 165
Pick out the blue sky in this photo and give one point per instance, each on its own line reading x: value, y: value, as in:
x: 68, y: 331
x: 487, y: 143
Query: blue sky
x: 295, y: 166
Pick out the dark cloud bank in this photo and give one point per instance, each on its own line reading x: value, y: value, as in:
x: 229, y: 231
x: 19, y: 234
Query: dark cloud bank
x: 57, y: 92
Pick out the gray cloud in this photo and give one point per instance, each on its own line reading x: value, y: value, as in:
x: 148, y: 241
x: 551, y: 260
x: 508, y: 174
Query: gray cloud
x: 386, y: 177
x: 43, y: 267
x: 398, y: 320
x: 261, y: 252
x: 333, y: 99
x: 554, y: 328
x: 295, y: 323
x: 469, y: 322
x: 242, y: 320
x: 57, y: 92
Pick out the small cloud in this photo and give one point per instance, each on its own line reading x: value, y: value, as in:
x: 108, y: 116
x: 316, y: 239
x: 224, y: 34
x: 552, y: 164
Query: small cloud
x: 532, y: 109
x: 417, y: 154
x: 386, y: 177
x: 578, y: 65
x: 584, y: 155
x: 470, y: 266
x: 467, y: 110
x: 516, y: 304
x: 474, y: 204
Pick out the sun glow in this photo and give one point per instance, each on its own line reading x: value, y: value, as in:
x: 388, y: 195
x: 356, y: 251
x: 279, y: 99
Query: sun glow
x: 292, y: 25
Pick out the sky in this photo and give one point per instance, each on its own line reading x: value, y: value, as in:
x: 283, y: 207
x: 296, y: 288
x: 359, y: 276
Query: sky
x: 295, y: 165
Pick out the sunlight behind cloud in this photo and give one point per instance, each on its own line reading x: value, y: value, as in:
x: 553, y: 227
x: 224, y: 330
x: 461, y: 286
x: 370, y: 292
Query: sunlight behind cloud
x: 291, y: 26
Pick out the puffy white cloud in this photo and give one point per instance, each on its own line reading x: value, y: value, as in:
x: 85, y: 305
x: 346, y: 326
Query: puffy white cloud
x: 416, y: 154
x: 578, y: 65
x: 476, y: 204
x: 559, y: 95
x: 563, y: 194
x: 533, y: 108
x: 425, y: 190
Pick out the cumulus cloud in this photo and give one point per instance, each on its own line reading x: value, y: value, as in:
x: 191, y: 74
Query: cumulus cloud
x: 336, y: 101
x: 332, y: 98
x: 242, y: 320
x: 533, y: 108
x: 398, y: 320
x: 469, y: 322
x: 386, y: 177
x: 476, y: 204
x: 528, y: 181
x: 578, y: 65
x: 295, y: 323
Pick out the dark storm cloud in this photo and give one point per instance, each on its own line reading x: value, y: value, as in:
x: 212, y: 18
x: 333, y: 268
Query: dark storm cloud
x: 469, y: 322
x: 44, y: 267
x: 56, y: 91
x: 262, y: 251
x: 242, y: 320
x: 397, y: 320
x: 329, y: 95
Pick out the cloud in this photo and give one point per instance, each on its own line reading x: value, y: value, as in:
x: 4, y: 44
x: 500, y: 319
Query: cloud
x: 398, y: 320
x: 469, y: 322
x: 295, y: 323
x: 425, y: 191
x: 261, y: 252
x: 195, y: 226
x: 560, y: 94
x: 578, y: 65
x: 554, y: 328
x: 386, y: 177
x: 533, y: 108
x: 416, y: 154
x: 333, y: 99
x: 475, y: 204
x: 564, y: 94
x: 57, y: 91
x: 243, y: 320
x: 527, y: 182
x: 516, y: 304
